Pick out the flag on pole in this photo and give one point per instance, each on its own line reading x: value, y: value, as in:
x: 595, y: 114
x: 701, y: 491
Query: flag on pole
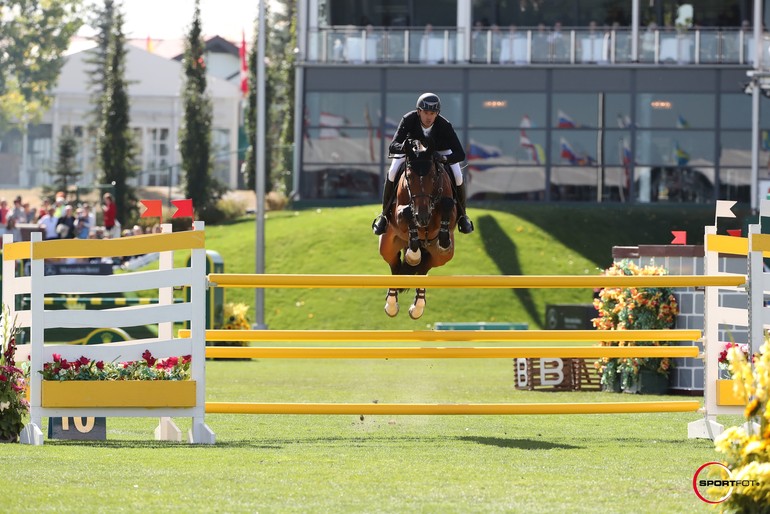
x: 478, y: 152
x: 680, y: 237
x: 725, y: 209
x: 330, y: 125
x: 565, y: 121
x: 537, y: 153
x: 150, y: 47
x: 682, y: 157
x: 624, y: 121
x: 244, y: 65
x: 681, y: 123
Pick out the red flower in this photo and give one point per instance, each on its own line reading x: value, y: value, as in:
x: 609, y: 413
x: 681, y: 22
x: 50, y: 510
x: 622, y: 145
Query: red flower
x: 147, y: 356
x: 100, y: 365
x: 56, y: 357
x: 186, y: 359
x: 3, y: 379
x: 172, y: 361
x: 84, y: 361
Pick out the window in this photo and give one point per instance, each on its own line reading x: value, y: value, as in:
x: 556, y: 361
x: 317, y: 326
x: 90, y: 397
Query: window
x: 159, y: 165
x: 220, y: 151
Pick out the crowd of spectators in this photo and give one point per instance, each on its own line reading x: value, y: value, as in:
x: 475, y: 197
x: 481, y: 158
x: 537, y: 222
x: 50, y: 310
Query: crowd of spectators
x: 59, y: 219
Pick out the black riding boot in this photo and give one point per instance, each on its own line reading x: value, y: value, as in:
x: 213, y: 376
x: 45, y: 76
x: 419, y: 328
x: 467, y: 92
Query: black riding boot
x: 464, y: 223
x: 380, y: 223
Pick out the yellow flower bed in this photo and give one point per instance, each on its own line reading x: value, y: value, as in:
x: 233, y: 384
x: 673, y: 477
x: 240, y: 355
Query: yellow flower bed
x: 747, y: 454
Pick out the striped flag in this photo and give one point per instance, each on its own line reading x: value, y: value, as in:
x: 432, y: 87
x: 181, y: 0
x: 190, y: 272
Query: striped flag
x: 479, y: 152
x: 330, y: 125
x: 565, y: 121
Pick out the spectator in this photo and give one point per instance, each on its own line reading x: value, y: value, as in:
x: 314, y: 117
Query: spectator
x: 30, y: 213
x: 110, y: 210
x: 3, y: 211
x: 82, y: 224
x: 90, y: 214
x: 59, y: 204
x: 18, y: 211
x: 48, y: 224
x: 11, y: 228
x: 65, y: 226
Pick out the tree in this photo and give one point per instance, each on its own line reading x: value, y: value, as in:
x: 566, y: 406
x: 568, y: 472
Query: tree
x: 65, y: 172
x: 279, y: 97
x: 33, y: 38
x: 116, y: 148
x: 195, y: 133
x: 103, y: 19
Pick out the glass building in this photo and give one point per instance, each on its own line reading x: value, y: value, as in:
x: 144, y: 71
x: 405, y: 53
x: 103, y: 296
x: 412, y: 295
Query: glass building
x: 553, y: 100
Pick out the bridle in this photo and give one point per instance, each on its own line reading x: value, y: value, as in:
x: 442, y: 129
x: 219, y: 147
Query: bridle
x: 435, y: 193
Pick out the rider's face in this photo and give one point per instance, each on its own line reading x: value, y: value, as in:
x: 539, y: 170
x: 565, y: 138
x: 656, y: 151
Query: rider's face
x: 427, y: 118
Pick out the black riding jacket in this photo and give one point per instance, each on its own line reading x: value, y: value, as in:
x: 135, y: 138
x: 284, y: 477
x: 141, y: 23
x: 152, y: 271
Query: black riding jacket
x: 442, y: 133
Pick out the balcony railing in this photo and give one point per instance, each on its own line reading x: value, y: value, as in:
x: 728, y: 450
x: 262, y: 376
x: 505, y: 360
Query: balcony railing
x: 530, y: 46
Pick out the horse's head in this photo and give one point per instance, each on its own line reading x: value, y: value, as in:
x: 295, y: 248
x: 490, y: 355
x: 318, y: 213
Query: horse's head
x: 423, y: 180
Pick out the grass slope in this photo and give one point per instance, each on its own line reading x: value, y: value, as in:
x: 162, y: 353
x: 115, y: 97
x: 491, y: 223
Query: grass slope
x: 510, y: 239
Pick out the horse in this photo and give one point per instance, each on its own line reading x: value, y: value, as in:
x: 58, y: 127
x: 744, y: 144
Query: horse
x: 421, y: 222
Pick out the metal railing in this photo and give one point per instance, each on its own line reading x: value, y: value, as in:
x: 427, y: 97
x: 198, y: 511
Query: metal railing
x: 524, y: 46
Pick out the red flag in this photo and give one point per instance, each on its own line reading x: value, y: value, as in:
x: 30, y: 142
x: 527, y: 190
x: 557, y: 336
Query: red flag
x: 244, y: 65
x: 680, y: 237
x: 154, y: 208
x: 735, y: 232
x: 184, y: 208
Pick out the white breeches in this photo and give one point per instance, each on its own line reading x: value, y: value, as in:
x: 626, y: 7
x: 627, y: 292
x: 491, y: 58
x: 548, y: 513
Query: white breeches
x: 396, y: 163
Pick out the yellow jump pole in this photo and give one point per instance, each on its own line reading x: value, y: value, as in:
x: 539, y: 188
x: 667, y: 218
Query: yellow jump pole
x: 404, y: 336
x: 450, y: 353
x: 470, y: 281
x: 434, y: 409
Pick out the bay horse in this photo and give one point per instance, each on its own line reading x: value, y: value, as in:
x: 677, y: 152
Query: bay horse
x: 421, y: 222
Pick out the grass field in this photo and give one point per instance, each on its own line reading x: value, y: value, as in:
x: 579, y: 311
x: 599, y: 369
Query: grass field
x: 578, y: 463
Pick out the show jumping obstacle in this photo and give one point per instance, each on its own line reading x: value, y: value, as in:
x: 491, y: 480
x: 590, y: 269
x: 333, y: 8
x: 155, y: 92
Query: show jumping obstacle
x: 192, y: 341
x: 164, y: 399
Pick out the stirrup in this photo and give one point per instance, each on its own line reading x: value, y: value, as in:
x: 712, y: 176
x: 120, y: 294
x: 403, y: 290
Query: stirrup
x: 465, y: 225
x: 379, y: 225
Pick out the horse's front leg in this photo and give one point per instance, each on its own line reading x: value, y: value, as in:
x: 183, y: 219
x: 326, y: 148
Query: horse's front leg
x: 391, y: 303
x: 444, y: 240
x: 418, y: 307
x: 413, y: 254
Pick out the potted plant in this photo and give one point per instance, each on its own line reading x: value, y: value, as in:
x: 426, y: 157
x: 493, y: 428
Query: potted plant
x: 725, y: 384
x: 148, y: 382
x: 635, y: 308
x: 13, y: 402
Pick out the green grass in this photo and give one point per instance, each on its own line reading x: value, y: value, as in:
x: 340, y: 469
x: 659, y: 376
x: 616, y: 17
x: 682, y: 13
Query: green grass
x: 578, y: 463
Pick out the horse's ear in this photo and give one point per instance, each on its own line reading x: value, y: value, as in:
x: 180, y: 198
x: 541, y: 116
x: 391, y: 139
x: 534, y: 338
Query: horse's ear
x: 409, y: 149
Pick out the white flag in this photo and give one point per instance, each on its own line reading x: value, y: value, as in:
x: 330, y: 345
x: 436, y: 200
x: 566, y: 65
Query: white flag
x: 724, y: 209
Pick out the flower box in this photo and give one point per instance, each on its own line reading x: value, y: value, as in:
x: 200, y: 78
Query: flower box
x: 725, y: 393
x: 648, y: 382
x: 119, y: 393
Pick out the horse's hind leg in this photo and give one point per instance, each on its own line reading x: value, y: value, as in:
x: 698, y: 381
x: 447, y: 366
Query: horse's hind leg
x: 418, y: 307
x: 391, y: 303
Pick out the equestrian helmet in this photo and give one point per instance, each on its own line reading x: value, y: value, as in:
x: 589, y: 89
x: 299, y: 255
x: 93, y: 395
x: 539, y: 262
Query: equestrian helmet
x: 429, y: 102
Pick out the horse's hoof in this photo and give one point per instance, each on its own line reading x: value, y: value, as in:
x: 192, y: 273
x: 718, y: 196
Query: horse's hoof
x: 391, y: 305
x: 413, y: 258
x: 417, y: 309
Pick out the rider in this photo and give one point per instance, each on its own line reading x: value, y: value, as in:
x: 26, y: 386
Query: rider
x: 422, y: 123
